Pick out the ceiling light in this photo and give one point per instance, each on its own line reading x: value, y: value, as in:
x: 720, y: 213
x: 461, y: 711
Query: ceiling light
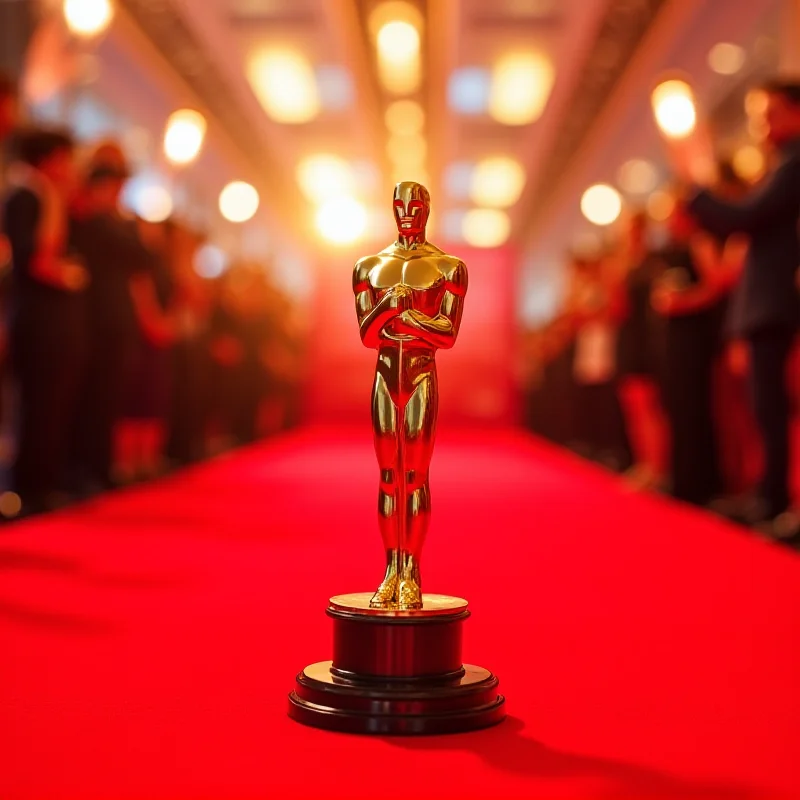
x: 638, y: 176
x: 485, y: 227
x: 497, y: 182
x: 210, y: 261
x: 88, y: 17
x: 184, y: 136
x: 749, y: 163
x: 726, y: 58
x: 341, y: 220
x: 238, y: 201
x: 284, y: 84
x: 520, y: 86
x: 601, y: 204
x: 153, y: 203
x: 468, y: 90
x: 405, y: 117
x: 674, y: 109
x: 660, y: 205
x: 399, y: 65
x: 324, y: 176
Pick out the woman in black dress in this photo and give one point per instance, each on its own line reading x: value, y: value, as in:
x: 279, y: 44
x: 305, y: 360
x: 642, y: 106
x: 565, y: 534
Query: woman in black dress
x: 48, y: 335
x: 688, y: 297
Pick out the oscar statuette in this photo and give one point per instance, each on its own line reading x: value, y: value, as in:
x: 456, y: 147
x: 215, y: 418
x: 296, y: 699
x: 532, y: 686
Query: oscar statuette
x: 397, y: 666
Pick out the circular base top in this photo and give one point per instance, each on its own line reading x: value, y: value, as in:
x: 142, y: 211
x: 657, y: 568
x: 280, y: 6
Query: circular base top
x: 433, y: 605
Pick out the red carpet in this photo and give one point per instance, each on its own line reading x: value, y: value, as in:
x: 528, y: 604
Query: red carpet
x: 148, y: 640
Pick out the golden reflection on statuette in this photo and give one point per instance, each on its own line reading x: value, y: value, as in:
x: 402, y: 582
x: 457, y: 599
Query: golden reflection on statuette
x: 409, y: 300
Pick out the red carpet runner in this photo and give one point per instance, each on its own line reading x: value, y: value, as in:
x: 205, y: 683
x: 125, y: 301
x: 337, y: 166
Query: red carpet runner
x: 148, y: 640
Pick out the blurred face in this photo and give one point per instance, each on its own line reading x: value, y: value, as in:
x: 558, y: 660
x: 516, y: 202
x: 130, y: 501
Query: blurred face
x: 782, y: 119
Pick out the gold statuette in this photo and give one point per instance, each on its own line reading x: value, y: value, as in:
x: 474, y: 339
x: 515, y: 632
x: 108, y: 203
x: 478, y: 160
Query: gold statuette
x: 409, y: 300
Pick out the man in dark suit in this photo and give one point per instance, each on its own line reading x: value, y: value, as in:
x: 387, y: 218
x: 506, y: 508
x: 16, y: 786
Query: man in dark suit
x: 765, y: 307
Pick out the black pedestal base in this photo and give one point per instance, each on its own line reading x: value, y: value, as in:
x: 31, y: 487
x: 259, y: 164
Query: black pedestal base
x: 397, y: 672
x: 465, y: 703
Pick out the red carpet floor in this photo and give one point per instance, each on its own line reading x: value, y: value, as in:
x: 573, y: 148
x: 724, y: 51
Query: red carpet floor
x: 148, y: 640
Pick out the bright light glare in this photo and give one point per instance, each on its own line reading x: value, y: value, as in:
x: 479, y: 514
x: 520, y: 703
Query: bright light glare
x: 601, y: 204
x: 399, y: 66
x: 323, y: 176
x: 284, y: 83
x: 184, y: 136
x: 88, y: 17
x: 726, y: 58
x: 521, y: 84
x: 485, y: 227
x: 210, y: 261
x: 638, y: 176
x: 398, y: 42
x: 341, y: 220
x: 748, y: 162
x: 405, y: 117
x: 674, y: 108
x: 392, y: 11
x: 497, y: 182
x: 238, y: 201
x: 154, y: 203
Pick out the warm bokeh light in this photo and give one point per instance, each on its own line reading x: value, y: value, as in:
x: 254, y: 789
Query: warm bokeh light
x: 393, y: 11
x: 341, y: 220
x: 674, y: 108
x: 601, y: 204
x: 183, y: 136
x: 285, y: 85
x: 10, y: 504
x: 660, y: 205
x: 748, y: 163
x: 497, y: 182
x: 323, y: 176
x: 726, y: 58
x: 411, y: 173
x: 210, y: 261
x: 153, y: 203
x: 405, y: 117
x: 638, y: 176
x: 485, y: 227
x: 407, y: 150
x: 238, y: 201
x: 399, y: 65
x: 88, y: 17
x: 521, y: 84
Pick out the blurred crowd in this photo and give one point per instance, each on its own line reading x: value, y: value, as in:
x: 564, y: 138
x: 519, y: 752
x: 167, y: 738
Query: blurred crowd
x: 675, y: 361
x: 119, y: 361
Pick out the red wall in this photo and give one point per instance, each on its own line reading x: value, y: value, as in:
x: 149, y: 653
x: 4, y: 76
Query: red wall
x: 475, y: 377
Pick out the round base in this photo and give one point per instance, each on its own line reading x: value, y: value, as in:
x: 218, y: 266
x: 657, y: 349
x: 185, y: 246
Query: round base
x: 450, y: 704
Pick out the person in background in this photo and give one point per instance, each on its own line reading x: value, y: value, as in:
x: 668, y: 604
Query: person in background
x: 116, y: 259
x: 48, y: 335
x: 594, y: 309
x: 9, y: 120
x: 687, y: 295
x: 764, y: 307
x: 640, y: 347
x: 191, y: 364
x: 141, y: 433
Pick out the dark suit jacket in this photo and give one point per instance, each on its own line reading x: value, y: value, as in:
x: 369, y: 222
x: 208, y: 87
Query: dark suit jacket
x: 767, y: 294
